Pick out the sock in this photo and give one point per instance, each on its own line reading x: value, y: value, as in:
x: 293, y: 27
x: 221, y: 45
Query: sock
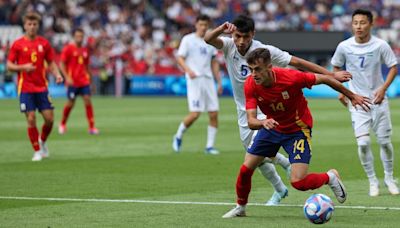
x: 311, y: 181
x: 269, y: 172
x: 46, y: 129
x: 90, y: 115
x: 243, y: 185
x: 66, y: 112
x: 33, y: 134
x: 282, y: 161
x: 181, y: 129
x: 211, y: 133
x: 367, y: 161
x: 387, y: 159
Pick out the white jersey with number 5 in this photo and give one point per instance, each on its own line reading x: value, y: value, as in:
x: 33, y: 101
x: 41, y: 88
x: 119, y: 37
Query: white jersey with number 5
x: 239, y: 70
x: 364, y: 62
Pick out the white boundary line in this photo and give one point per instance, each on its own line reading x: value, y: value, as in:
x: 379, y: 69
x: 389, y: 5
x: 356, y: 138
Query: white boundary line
x: 175, y: 202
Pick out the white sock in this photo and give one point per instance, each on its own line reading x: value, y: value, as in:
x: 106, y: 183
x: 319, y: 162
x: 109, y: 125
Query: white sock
x: 282, y: 160
x: 211, y: 133
x: 387, y: 159
x: 269, y: 172
x: 181, y: 129
x: 367, y: 161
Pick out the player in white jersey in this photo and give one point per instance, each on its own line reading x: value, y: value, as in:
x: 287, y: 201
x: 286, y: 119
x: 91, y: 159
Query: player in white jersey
x: 363, y: 56
x: 235, y: 51
x: 196, y: 58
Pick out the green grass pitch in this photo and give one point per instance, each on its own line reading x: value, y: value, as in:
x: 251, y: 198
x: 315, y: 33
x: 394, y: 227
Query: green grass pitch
x: 132, y: 159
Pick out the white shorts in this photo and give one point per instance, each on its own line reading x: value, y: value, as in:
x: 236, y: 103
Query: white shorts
x: 202, y: 94
x: 378, y: 119
x: 246, y: 134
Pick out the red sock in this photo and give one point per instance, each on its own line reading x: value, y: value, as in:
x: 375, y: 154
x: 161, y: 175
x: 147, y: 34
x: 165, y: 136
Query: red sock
x: 66, y: 112
x: 33, y: 134
x: 243, y: 185
x: 89, y: 115
x: 311, y: 181
x: 46, y: 129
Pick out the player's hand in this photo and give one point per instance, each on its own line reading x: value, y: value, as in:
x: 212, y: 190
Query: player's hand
x: 269, y: 124
x: 59, y: 79
x: 191, y: 74
x: 68, y: 81
x: 228, y: 28
x: 342, y: 76
x: 28, y: 67
x: 220, y: 89
x: 379, y: 95
x: 362, y: 101
x: 343, y: 99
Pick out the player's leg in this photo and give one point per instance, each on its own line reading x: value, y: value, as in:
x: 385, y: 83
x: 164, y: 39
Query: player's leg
x: 85, y: 92
x: 382, y: 127
x: 69, y: 105
x: 297, y: 145
x: 196, y: 106
x: 362, y: 123
x: 28, y: 106
x: 243, y: 185
x: 212, y: 106
x: 46, y: 109
x: 267, y: 169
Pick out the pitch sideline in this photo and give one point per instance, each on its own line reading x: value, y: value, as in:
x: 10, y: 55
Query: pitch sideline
x: 176, y: 202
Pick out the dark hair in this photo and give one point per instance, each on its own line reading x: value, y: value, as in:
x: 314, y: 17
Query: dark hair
x: 32, y: 16
x: 259, y: 54
x: 244, y: 23
x: 363, y: 12
x: 203, y: 17
x: 75, y: 30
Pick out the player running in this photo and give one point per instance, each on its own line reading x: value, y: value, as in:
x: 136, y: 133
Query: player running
x: 28, y: 56
x: 278, y: 93
x: 75, y: 67
x: 235, y: 51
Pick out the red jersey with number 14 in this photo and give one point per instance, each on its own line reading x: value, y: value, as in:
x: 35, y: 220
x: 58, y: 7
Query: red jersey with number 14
x: 35, y: 51
x: 284, y: 100
x: 76, y: 60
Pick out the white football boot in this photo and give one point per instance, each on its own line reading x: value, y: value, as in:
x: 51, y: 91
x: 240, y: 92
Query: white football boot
x: 374, y: 188
x: 337, y: 186
x: 238, y: 211
x: 392, y: 186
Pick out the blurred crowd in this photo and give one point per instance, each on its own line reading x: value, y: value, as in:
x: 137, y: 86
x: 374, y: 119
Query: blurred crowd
x: 140, y: 37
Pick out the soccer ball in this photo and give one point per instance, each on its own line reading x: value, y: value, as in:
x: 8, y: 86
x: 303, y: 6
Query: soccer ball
x: 318, y: 208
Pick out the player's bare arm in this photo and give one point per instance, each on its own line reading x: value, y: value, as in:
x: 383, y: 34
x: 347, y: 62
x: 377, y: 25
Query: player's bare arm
x: 355, y: 99
x: 217, y: 74
x: 182, y: 64
x: 27, y: 67
x: 56, y: 72
x: 68, y: 78
x: 212, y: 37
x: 299, y: 63
x: 256, y: 124
x: 342, y: 98
x: 380, y: 93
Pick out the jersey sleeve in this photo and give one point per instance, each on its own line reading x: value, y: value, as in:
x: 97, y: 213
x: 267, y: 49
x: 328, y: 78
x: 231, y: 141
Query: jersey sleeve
x: 387, y: 55
x: 338, y: 59
x: 49, y: 52
x: 278, y: 57
x: 249, y: 89
x: 303, y: 79
x: 227, y: 44
x: 13, y: 53
x: 64, y: 54
x: 183, y: 47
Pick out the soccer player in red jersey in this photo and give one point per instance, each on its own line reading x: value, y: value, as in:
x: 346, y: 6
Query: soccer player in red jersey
x: 28, y: 56
x: 75, y: 67
x: 278, y: 94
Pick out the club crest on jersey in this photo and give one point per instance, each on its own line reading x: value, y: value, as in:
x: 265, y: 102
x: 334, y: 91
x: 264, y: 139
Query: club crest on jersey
x: 25, y: 49
x: 40, y: 48
x: 285, y: 95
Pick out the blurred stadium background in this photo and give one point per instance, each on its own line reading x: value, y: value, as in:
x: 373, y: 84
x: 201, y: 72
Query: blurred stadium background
x: 134, y: 41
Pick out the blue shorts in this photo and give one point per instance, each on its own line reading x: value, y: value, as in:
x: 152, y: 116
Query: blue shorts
x: 297, y: 145
x: 72, y: 91
x: 32, y: 101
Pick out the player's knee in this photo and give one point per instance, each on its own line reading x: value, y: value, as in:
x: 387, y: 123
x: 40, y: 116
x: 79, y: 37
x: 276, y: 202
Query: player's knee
x: 363, y: 141
x: 384, y: 140
x: 299, y: 185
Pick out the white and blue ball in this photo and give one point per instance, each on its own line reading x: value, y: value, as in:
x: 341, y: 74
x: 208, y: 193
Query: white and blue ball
x: 318, y: 208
